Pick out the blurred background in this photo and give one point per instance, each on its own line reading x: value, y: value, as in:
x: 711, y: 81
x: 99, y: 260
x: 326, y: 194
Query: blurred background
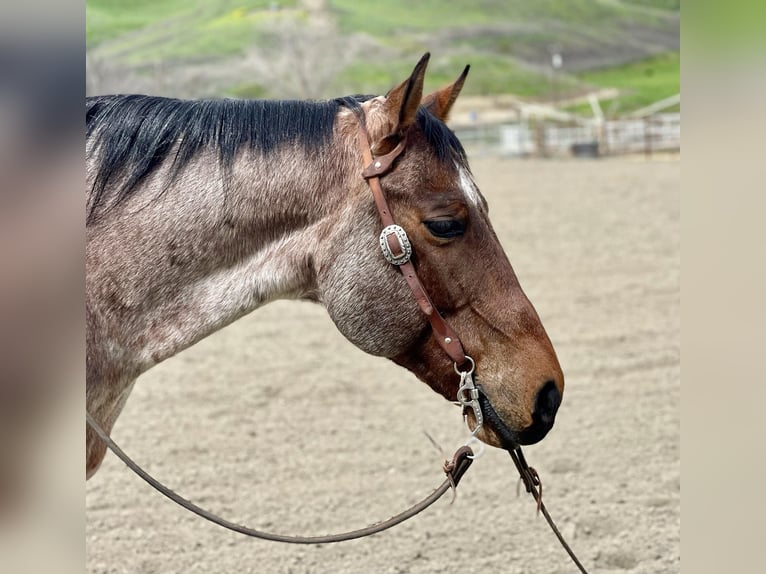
x: 548, y: 78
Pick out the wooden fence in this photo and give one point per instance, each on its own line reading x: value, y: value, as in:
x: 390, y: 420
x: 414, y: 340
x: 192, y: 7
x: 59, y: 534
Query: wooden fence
x: 549, y: 138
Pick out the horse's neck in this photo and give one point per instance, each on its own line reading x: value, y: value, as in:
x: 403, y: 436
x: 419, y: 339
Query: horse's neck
x: 173, y: 267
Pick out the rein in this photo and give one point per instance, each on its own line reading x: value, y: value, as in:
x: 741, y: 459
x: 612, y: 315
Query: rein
x: 397, y: 250
x: 528, y: 475
x: 454, y: 469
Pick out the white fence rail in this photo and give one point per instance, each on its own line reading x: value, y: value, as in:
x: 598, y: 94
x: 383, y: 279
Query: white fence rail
x: 655, y: 133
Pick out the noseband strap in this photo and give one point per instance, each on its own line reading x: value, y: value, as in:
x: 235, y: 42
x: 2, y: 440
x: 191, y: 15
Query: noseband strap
x: 374, y: 169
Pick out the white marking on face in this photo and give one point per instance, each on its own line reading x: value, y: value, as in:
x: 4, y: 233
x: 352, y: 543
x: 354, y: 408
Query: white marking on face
x: 468, y: 187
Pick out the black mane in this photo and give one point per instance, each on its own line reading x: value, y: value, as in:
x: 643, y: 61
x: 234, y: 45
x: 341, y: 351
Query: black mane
x: 133, y: 134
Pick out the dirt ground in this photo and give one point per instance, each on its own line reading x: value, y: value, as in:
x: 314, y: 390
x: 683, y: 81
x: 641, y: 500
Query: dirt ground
x: 278, y: 422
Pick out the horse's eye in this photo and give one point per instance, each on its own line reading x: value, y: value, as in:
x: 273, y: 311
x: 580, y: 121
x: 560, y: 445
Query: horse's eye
x: 445, y: 228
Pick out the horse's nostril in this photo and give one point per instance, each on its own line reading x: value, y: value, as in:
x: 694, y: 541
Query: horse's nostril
x: 547, y: 403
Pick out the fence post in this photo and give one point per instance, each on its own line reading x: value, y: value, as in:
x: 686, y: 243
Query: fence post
x: 540, y: 138
x: 602, y: 137
x: 647, y: 139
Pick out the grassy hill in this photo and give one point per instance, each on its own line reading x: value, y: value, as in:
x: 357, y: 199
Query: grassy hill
x: 204, y: 47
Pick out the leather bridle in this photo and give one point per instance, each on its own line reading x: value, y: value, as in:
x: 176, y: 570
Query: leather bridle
x: 397, y: 250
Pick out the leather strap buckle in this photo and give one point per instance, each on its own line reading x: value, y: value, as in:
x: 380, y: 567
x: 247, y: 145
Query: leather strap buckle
x: 404, y: 252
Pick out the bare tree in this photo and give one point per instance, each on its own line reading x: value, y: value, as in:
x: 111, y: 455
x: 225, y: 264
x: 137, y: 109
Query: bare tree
x: 104, y: 76
x: 300, y: 54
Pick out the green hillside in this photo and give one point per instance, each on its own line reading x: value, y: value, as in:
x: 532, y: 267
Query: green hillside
x: 642, y: 82
x: 507, y: 42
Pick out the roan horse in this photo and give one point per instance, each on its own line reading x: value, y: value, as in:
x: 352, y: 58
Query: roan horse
x: 199, y: 212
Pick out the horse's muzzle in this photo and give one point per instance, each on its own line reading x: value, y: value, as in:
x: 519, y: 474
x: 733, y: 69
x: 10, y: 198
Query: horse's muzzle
x: 546, y: 404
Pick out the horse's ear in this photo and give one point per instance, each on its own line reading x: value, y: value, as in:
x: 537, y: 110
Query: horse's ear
x: 440, y: 102
x: 403, y: 101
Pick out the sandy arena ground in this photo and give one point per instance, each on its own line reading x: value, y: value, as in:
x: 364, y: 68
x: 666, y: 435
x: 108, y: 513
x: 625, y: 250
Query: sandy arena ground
x: 278, y: 422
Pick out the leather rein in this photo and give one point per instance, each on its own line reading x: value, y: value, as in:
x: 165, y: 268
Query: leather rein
x: 397, y: 250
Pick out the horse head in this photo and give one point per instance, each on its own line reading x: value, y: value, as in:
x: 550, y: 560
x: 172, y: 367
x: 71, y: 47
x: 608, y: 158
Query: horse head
x: 458, y: 258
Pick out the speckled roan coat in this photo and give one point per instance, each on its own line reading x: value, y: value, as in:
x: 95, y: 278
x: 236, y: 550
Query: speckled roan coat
x: 190, y: 230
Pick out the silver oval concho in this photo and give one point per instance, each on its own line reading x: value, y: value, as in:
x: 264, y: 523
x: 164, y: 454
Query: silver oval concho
x: 404, y: 243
